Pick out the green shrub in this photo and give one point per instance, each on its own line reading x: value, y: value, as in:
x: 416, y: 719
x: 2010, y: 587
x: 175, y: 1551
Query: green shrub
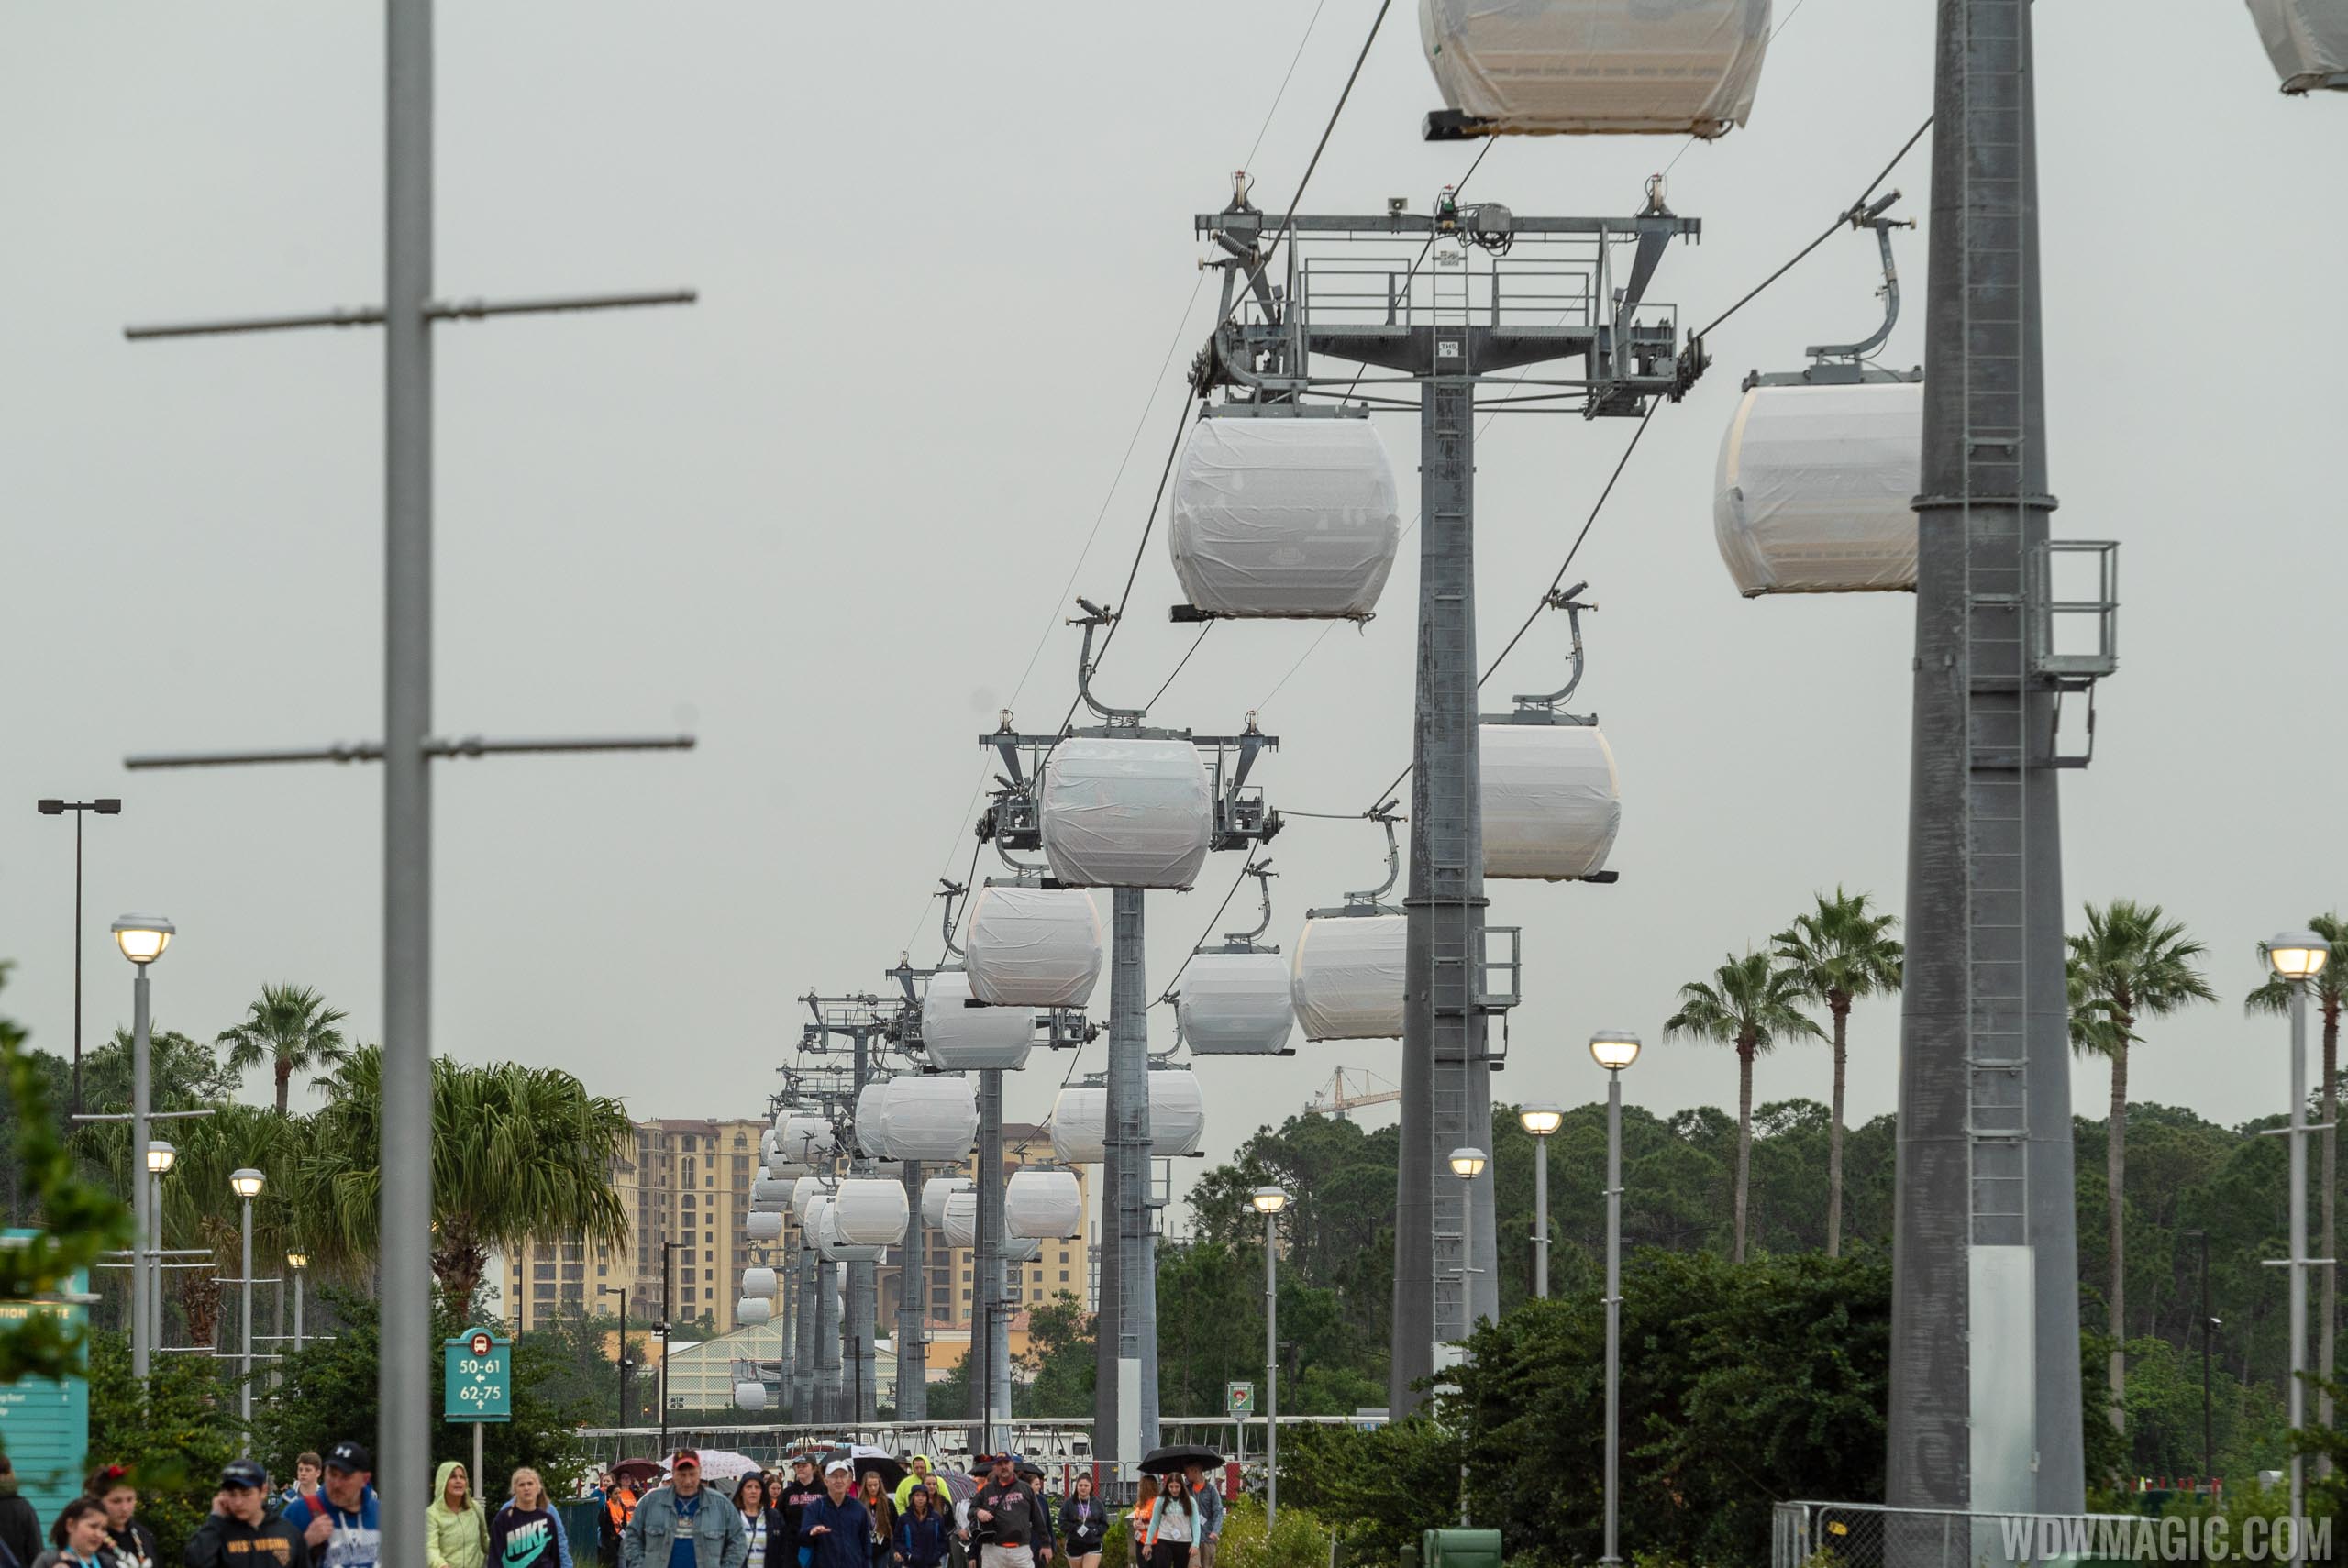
x: 1299, y: 1541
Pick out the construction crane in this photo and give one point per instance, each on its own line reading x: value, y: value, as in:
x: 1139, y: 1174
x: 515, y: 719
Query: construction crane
x: 1331, y: 1098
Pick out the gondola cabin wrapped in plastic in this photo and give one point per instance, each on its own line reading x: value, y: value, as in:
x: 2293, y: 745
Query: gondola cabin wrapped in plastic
x: 928, y: 1117
x: 1284, y: 516
x: 806, y: 1141
x: 2307, y: 41
x: 763, y: 1225
x: 934, y: 1194
x: 972, y: 1039
x: 1033, y: 947
x: 1125, y: 813
x: 749, y: 1395
x: 1235, y: 1004
x: 1813, y: 489
x: 1552, y: 800
x: 869, y: 1213
x: 1347, y: 977
x: 1081, y: 1124
x: 750, y: 1311
x: 759, y: 1282
x: 1040, y: 1205
x: 870, y: 1130
x: 805, y: 1193
x: 1178, y: 1112
x: 1596, y: 67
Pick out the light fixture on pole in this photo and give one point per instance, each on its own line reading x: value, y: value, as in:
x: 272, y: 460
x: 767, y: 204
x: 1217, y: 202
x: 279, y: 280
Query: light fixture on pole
x: 142, y: 939
x: 247, y: 1183
x: 161, y: 1158
x: 2297, y: 957
x: 1541, y: 1120
x: 1268, y: 1202
x: 1467, y: 1163
x: 107, y: 807
x: 298, y: 1263
x: 1613, y: 1049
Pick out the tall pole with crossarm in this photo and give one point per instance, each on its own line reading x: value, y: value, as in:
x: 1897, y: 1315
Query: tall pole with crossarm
x: 408, y: 747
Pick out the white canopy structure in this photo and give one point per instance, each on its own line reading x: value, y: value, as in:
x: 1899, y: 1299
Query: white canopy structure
x: 1347, y: 977
x: 1039, y: 1204
x: 2306, y: 40
x: 926, y: 1117
x: 1033, y: 946
x: 1552, y: 800
x: 1811, y: 492
x: 1125, y: 813
x: 1281, y: 516
x: 934, y: 1195
x: 1235, y: 1004
x: 1594, y: 66
x: 972, y: 1039
x: 1081, y: 1124
x: 1178, y: 1112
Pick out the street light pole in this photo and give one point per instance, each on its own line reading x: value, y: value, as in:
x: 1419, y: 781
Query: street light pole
x: 2297, y: 957
x: 142, y: 939
x: 619, y: 1359
x: 667, y: 1333
x: 1467, y: 1163
x: 1614, y: 1049
x: 1541, y: 1120
x: 106, y: 807
x: 1268, y: 1202
x: 247, y: 1185
x: 296, y: 1263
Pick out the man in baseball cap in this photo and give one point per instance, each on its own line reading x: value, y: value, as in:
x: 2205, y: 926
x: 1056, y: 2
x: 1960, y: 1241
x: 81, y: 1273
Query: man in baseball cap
x: 678, y: 1526
x: 340, y: 1524
x: 239, y: 1533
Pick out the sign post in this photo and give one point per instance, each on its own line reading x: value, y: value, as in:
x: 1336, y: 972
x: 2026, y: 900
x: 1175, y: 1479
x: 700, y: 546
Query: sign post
x: 477, y: 1384
x: 1239, y: 1403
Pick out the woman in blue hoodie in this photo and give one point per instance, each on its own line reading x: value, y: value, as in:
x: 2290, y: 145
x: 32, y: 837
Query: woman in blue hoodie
x: 921, y: 1532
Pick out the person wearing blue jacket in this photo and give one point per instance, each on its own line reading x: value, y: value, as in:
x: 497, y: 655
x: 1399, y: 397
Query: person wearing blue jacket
x: 920, y: 1531
x: 834, y: 1528
x: 340, y: 1523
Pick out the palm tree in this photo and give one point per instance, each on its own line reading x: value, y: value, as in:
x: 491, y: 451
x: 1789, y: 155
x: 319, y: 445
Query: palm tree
x: 1750, y: 1004
x: 2329, y: 989
x: 293, y: 1029
x: 2133, y: 961
x: 1840, y: 952
x: 519, y: 1156
x: 201, y: 1209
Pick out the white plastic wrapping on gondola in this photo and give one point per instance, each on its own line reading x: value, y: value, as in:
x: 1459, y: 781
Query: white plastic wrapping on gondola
x: 2306, y: 40
x: 929, y: 1117
x: 1235, y: 1004
x: 759, y: 1282
x: 1348, y: 977
x: 1811, y: 492
x: 824, y: 1224
x: 750, y: 1396
x: 807, y: 1140
x: 1178, y: 1112
x: 1033, y: 947
x: 766, y: 1145
x: 770, y: 1190
x: 763, y: 1225
x: 869, y: 1213
x: 870, y: 1124
x: 961, y: 1218
x: 750, y: 1311
x: 1284, y: 517
x: 1594, y: 66
x: 960, y: 1038
x: 1081, y: 1124
x: 934, y: 1194
x: 1552, y: 802
x: 1040, y: 1205
x: 805, y: 1193
x: 1125, y: 813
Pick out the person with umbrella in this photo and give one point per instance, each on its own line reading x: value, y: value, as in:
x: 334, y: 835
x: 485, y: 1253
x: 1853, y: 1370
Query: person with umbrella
x: 1171, y: 1540
x: 1208, y: 1499
x: 1007, y: 1519
x: 836, y: 1528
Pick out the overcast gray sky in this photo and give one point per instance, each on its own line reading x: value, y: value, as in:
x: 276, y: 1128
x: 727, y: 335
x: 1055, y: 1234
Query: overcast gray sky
x: 824, y: 517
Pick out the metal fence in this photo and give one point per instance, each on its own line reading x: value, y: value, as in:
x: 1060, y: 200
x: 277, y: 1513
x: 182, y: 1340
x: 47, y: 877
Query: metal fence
x: 1870, y: 1535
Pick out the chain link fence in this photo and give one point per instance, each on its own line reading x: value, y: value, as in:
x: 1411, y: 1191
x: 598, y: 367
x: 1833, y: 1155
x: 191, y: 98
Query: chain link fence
x: 1870, y: 1535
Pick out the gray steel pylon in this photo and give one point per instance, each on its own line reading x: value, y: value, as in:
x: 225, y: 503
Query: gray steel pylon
x: 1985, y: 1403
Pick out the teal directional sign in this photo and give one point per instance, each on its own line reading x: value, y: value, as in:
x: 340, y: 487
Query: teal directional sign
x: 46, y: 1422
x: 477, y: 1367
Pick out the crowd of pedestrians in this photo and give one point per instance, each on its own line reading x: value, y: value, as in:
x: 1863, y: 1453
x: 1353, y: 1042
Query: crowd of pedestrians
x: 825, y: 1510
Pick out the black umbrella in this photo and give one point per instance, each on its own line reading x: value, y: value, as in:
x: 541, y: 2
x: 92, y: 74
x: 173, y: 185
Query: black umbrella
x: 863, y: 1458
x: 1179, y: 1456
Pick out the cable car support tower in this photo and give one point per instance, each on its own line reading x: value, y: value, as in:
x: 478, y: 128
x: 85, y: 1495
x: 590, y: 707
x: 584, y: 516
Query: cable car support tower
x: 1574, y: 300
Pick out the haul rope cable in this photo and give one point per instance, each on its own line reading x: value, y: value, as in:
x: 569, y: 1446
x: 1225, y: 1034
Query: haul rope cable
x: 1181, y: 332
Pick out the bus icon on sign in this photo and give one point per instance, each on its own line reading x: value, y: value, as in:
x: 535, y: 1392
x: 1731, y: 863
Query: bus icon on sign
x: 481, y: 1344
